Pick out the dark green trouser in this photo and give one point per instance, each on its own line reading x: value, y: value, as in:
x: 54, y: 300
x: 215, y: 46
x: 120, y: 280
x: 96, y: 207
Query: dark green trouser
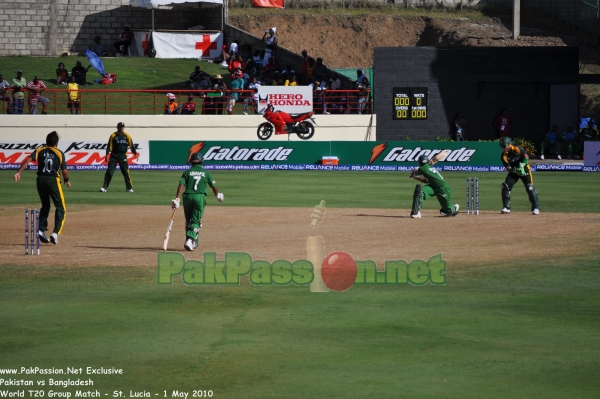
x: 112, y: 165
x: 544, y: 145
x: 443, y: 196
x: 527, y: 180
x: 48, y: 187
x: 193, y: 207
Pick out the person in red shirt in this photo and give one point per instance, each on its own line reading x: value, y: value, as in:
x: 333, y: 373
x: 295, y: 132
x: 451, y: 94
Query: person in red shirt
x: 188, y: 107
x: 503, y: 123
x: 35, y: 89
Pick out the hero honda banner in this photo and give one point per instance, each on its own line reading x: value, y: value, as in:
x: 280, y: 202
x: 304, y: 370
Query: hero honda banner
x: 290, y: 99
x: 77, y: 153
x: 393, y: 153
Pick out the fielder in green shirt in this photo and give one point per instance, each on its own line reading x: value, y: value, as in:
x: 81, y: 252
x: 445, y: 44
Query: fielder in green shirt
x: 195, y: 182
x: 435, y: 185
x: 116, y: 152
x: 51, y: 162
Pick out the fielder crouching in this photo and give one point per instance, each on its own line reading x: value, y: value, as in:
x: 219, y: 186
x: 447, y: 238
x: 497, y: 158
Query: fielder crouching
x: 195, y: 181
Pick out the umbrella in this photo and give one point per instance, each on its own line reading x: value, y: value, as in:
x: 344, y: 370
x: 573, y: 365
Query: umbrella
x: 95, y: 61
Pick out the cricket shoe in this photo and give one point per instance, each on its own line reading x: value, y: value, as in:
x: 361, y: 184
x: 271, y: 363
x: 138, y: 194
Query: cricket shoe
x: 536, y: 211
x: 417, y: 216
x: 102, y: 190
x: 505, y: 210
x: 542, y: 156
x: 189, y: 245
x: 453, y: 213
x: 130, y: 190
x: 456, y: 208
x: 54, y: 238
x: 43, y: 237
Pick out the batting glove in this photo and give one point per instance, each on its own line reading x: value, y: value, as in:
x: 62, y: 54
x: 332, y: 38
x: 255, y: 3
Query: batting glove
x: 220, y: 197
x: 175, y: 203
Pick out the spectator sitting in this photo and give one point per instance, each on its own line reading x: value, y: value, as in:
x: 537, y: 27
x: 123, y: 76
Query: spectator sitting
x: 573, y: 146
x: 62, y: 74
x: 245, y: 52
x: 223, y: 59
x: 257, y: 58
x: 97, y: 47
x: 588, y: 133
x: 552, y: 139
x: 171, y: 107
x: 336, y: 83
x: 4, y: 95
x: 271, y: 65
x: 196, y: 78
x: 80, y: 73
x: 35, y: 88
x: 126, y: 39
x: 73, y: 96
x: 19, y: 85
x: 236, y: 64
x: 188, y: 107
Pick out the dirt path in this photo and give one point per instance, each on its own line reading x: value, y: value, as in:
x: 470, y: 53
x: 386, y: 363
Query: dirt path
x: 128, y: 236
x: 346, y: 41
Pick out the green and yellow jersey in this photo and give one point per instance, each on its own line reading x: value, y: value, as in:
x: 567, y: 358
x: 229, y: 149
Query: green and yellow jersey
x: 196, y: 179
x: 118, y: 143
x: 434, y: 179
x: 514, y: 157
x: 50, y: 160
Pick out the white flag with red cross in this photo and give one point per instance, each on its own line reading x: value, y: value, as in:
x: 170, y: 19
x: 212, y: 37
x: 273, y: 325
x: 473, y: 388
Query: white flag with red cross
x: 187, y: 45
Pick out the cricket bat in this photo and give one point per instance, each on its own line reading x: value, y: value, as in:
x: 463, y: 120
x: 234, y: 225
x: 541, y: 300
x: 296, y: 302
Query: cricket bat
x: 168, y: 233
x: 439, y: 156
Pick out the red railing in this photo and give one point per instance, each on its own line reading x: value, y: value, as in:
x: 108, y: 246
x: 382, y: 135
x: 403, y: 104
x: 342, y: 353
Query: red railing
x: 152, y: 102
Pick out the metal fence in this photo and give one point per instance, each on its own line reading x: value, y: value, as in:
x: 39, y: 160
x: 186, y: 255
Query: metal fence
x: 574, y: 17
x: 208, y: 102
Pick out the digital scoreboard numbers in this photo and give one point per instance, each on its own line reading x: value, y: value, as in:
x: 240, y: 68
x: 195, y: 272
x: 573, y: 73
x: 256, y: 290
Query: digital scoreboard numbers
x: 410, y: 102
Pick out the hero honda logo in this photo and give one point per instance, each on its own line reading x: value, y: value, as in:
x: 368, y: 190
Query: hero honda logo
x: 401, y: 154
x: 236, y: 153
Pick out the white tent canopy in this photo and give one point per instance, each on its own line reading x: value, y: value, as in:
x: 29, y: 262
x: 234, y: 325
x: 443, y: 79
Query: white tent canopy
x: 152, y: 4
x: 157, y: 3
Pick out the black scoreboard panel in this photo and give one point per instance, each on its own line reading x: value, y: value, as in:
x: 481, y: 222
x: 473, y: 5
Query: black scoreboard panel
x: 410, y: 102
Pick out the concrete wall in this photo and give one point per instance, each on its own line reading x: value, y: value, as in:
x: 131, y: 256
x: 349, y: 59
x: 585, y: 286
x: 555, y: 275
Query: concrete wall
x: 174, y: 127
x: 480, y: 82
x: 31, y: 27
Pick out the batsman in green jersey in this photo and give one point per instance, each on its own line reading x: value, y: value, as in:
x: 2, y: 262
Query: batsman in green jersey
x: 116, y: 152
x: 435, y: 185
x: 51, y: 162
x: 194, y: 181
x: 516, y: 162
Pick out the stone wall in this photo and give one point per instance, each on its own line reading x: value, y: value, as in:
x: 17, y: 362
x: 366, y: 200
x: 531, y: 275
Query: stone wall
x: 30, y: 27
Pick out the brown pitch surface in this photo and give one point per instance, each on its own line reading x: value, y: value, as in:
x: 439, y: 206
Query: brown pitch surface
x: 132, y: 236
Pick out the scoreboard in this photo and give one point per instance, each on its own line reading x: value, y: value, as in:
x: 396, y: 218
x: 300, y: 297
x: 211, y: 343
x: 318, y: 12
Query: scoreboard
x: 410, y: 102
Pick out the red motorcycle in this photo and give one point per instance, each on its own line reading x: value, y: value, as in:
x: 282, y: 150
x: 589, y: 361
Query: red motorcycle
x: 284, y: 123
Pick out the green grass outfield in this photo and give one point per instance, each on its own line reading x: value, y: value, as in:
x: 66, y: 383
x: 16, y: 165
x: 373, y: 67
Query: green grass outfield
x: 527, y: 329
x: 558, y: 191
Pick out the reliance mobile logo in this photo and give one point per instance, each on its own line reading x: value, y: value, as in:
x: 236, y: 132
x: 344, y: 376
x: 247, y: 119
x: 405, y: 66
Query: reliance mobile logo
x: 401, y: 154
x: 339, y: 271
x: 235, y: 153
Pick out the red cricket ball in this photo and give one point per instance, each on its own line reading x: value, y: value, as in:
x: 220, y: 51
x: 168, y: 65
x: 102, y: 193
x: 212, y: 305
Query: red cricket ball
x: 338, y: 271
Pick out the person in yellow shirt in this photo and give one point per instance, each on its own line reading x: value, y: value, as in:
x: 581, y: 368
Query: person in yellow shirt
x: 73, y: 96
